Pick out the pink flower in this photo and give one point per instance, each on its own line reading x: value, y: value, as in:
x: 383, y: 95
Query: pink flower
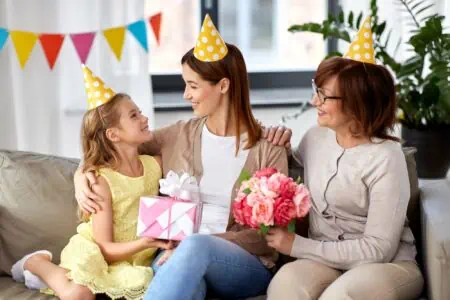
x: 262, y: 212
x: 266, y: 189
x: 302, y: 200
x: 242, y: 213
x: 284, y: 211
x: 266, y: 172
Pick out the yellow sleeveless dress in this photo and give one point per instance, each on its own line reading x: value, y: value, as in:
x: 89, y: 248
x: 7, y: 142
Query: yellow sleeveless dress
x: 82, y: 256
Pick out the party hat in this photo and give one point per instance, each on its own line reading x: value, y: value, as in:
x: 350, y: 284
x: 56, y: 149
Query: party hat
x: 97, y: 92
x: 361, y: 49
x: 210, y: 45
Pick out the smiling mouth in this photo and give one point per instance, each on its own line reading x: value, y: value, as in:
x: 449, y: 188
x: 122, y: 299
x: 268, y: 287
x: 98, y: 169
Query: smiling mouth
x: 145, y: 128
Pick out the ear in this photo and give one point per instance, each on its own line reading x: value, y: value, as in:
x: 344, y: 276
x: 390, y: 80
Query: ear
x: 111, y: 134
x: 224, y: 85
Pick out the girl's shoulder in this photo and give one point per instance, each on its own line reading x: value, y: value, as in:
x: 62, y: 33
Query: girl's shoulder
x: 151, y: 163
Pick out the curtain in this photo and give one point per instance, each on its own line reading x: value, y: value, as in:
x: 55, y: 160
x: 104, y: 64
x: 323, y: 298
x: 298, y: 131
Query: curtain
x: 35, y: 102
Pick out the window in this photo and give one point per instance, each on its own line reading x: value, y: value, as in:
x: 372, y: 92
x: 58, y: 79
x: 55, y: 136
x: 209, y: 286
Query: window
x: 259, y: 29
x: 274, y: 56
x: 179, y: 29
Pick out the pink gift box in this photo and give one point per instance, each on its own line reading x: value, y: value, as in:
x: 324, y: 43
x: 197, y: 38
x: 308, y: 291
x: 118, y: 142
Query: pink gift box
x: 168, y: 218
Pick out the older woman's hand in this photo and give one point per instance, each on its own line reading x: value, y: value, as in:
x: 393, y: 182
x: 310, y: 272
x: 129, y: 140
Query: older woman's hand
x: 278, y: 135
x: 281, y: 240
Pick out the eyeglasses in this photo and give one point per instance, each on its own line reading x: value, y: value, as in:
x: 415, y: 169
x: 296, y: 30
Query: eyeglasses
x: 320, y: 95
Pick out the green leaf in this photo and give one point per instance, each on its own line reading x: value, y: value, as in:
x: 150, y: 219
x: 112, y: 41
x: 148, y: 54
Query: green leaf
x: 350, y: 19
x: 380, y: 28
x: 358, y: 21
x: 291, y: 226
x: 263, y: 229
x: 247, y: 191
x: 245, y: 175
x: 298, y: 180
x: 341, y: 17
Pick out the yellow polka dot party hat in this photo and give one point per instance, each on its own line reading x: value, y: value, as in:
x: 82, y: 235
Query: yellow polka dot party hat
x: 96, y: 90
x: 210, y: 45
x: 361, y: 49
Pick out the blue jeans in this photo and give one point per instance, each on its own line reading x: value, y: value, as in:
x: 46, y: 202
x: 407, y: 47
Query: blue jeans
x: 204, y: 262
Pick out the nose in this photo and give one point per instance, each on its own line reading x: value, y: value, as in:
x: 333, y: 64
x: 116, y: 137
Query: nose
x: 315, y: 100
x: 186, y: 94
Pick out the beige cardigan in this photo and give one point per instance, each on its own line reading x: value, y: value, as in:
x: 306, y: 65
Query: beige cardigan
x: 180, y: 147
x: 360, y: 197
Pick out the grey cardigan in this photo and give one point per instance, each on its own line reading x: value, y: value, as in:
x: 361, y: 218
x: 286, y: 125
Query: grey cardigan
x: 360, y: 197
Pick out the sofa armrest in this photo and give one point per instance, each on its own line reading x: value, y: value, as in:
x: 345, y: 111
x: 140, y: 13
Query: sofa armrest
x: 435, y: 220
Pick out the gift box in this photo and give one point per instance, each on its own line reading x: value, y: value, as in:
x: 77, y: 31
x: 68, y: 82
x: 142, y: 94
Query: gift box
x: 173, y: 217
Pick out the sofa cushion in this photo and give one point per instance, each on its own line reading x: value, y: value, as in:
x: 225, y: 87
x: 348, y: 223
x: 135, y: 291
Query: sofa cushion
x: 37, y: 205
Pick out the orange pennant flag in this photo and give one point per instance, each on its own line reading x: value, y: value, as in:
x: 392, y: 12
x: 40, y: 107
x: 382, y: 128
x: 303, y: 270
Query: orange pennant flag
x: 116, y: 39
x: 23, y: 43
x: 155, y: 22
x: 51, y: 43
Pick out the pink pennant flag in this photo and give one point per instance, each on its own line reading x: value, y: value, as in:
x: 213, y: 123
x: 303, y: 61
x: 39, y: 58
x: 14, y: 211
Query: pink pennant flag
x: 83, y: 43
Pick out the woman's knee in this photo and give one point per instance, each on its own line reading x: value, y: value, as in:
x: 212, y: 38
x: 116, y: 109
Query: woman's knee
x: 282, y: 285
x: 198, y: 244
x: 301, y: 279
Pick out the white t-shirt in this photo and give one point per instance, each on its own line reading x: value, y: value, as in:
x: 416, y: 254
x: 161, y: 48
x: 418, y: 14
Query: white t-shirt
x: 221, y: 168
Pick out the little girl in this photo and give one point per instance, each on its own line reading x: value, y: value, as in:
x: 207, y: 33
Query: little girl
x: 105, y: 256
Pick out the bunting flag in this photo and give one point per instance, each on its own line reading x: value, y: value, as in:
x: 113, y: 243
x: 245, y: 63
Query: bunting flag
x: 139, y: 31
x: 155, y: 22
x: 3, y: 37
x: 83, y: 43
x: 115, y: 38
x: 23, y: 43
x: 51, y: 43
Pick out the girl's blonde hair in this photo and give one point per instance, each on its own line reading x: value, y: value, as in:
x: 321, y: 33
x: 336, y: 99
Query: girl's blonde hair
x: 98, y: 150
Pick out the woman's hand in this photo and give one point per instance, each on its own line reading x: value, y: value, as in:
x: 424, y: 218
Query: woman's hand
x: 281, y: 240
x: 86, y: 198
x: 278, y: 135
x: 148, y: 242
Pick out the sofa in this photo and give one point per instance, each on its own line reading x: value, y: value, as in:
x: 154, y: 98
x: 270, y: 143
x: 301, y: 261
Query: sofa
x: 38, y: 211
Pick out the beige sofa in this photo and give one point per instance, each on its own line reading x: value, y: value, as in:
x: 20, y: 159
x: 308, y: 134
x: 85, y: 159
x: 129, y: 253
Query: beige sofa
x: 38, y: 211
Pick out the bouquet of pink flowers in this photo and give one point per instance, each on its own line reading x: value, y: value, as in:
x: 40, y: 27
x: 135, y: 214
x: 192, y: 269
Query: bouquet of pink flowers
x: 269, y: 198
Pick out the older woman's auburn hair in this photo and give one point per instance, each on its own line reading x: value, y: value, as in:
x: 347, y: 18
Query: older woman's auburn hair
x: 368, y: 95
x: 233, y: 67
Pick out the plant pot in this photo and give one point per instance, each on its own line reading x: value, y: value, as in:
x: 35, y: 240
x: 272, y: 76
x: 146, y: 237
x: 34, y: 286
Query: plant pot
x: 433, y: 150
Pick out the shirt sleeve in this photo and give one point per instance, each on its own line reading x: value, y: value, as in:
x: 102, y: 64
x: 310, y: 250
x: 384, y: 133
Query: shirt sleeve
x: 388, y: 187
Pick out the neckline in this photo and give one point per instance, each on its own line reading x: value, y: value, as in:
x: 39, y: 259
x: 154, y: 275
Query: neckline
x: 218, y: 137
x: 333, y: 138
x: 137, y: 177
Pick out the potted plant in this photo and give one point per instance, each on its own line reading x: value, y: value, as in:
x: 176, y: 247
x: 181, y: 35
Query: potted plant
x: 423, y: 80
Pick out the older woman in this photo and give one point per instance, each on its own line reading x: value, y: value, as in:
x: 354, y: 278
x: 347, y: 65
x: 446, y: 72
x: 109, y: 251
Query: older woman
x: 359, y: 244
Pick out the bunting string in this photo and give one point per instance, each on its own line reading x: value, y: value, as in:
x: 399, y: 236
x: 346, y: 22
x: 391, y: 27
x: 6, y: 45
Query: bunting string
x: 25, y: 41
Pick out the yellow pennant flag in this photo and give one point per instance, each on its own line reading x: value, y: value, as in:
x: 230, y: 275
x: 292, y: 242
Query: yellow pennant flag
x: 116, y: 39
x: 23, y: 43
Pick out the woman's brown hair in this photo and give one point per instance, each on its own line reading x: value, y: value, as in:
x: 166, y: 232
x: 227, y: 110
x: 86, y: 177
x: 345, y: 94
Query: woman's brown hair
x: 368, y: 95
x: 233, y: 67
x: 98, y: 150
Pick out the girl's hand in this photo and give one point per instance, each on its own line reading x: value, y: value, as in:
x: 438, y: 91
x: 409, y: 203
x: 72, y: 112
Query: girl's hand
x: 164, y: 257
x: 148, y: 242
x: 281, y: 240
x: 86, y: 198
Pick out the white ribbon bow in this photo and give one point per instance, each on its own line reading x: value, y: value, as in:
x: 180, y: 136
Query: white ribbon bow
x: 183, y: 187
